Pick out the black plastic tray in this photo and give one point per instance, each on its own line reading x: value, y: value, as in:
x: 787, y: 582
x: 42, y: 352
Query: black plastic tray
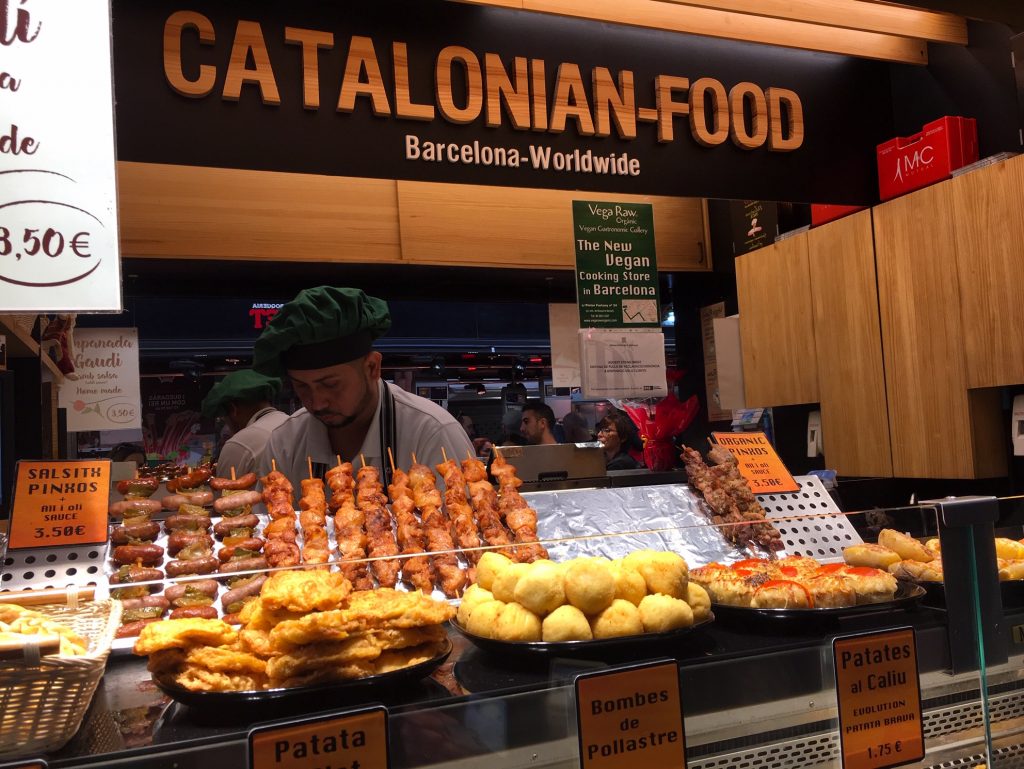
x: 1011, y: 591
x: 908, y: 594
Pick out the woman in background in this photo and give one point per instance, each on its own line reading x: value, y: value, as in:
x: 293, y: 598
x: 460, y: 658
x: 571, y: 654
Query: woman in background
x: 618, y: 434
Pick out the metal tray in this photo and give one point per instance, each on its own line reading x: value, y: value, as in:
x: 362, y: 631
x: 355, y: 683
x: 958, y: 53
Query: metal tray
x: 582, y: 649
x: 908, y: 594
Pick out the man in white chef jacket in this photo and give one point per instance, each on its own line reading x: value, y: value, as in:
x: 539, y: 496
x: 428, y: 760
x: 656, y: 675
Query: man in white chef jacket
x: 244, y: 400
x: 323, y: 342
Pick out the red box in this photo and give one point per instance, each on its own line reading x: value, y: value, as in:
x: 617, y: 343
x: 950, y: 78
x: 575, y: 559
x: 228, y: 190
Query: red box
x: 822, y: 213
x: 911, y: 162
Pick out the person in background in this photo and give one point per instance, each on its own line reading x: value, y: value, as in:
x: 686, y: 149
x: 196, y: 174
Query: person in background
x: 128, y: 452
x: 537, y: 423
x: 323, y: 342
x: 575, y: 426
x: 618, y: 434
x: 244, y: 399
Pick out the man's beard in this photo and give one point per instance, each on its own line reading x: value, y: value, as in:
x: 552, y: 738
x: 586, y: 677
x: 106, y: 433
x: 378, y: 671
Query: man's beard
x: 347, y: 419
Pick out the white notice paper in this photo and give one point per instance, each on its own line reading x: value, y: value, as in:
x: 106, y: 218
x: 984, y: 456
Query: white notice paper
x: 106, y: 394
x: 622, y: 364
x: 564, y: 325
x: 58, y: 201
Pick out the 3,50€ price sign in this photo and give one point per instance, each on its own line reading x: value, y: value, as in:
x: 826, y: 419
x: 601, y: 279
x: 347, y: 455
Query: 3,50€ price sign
x: 60, y: 503
x: 758, y: 463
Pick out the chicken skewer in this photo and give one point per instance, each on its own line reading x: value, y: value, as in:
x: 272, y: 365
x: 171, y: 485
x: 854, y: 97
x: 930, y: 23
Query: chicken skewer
x: 460, y: 512
x: 518, y: 515
x: 380, y: 537
x: 349, y: 526
x: 416, y: 571
x: 280, y: 548
x: 313, y: 519
x: 485, y: 506
x: 427, y: 498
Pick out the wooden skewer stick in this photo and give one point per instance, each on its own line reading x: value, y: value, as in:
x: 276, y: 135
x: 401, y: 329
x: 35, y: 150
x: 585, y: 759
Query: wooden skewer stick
x: 469, y: 454
x: 309, y: 464
x: 233, y: 473
x: 362, y: 459
x: 273, y: 465
x: 391, y: 459
x: 338, y: 457
x: 414, y: 458
x: 444, y: 454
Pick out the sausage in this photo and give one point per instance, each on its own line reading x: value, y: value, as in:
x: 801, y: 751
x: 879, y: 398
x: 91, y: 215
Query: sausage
x: 199, y: 498
x: 147, y: 555
x: 138, y: 487
x: 235, y: 501
x: 128, y: 574
x: 247, y: 481
x: 203, y: 612
x: 204, y: 565
x: 252, y: 544
x: 248, y: 590
x: 125, y: 507
x: 244, y: 564
x: 131, y: 629
x: 208, y: 587
x: 227, y: 524
x: 187, y: 522
x: 173, y: 501
x: 194, y: 479
x: 149, y: 601
x: 182, y: 538
x: 146, y: 530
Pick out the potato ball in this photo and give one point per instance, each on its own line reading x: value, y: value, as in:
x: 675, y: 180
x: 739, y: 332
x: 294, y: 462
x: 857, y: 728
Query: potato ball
x: 517, y: 623
x: 662, y: 572
x: 504, y: 585
x: 589, y: 585
x: 620, y: 619
x: 629, y: 584
x: 539, y: 589
x: 484, y: 618
x: 566, y: 623
x: 699, y: 600
x: 491, y: 563
x: 473, y: 596
x: 660, y: 612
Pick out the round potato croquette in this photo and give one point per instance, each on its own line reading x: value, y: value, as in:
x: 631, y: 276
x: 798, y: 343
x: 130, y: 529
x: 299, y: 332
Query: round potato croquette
x: 517, y: 623
x: 620, y: 619
x: 473, y: 596
x: 660, y: 613
x: 489, y: 566
x: 629, y: 583
x: 540, y: 588
x: 589, y: 585
x: 663, y: 572
x: 483, y: 620
x: 504, y: 585
x: 566, y: 623
x: 699, y: 600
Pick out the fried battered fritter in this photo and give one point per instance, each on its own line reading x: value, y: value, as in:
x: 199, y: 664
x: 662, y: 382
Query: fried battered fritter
x: 166, y: 661
x: 200, y: 680
x: 305, y: 591
x: 225, y: 661
x: 182, y: 633
x: 396, y: 659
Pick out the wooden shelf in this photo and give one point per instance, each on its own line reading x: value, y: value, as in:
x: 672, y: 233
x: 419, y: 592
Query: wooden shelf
x: 20, y: 344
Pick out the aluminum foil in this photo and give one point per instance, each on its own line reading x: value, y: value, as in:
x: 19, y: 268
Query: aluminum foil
x: 606, y: 514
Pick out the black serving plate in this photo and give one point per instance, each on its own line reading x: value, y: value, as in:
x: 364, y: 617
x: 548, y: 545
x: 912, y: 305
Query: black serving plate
x: 232, y: 701
x: 908, y: 594
x: 1011, y: 591
x: 582, y: 649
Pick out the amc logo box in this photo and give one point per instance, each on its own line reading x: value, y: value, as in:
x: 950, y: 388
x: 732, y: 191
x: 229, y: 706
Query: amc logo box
x: 909, y: 163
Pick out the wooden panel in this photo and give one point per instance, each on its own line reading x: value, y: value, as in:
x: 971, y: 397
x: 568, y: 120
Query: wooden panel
x: 467, y: 224
x: 848, y: 345
x: 989, y: 228
x: 222, y: 213
x: 937, y: 429
x: 773, y: 285
x: 735, y: 26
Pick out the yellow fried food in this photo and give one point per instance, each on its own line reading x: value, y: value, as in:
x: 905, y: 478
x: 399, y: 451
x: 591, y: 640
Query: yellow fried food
x: 166, y: 661
x: 539, y: 589
x: 220, y: 660
x: 21, y: 621
x: 566, y: 623
x: 867, y: 554
x: 484, y: 619
x: 665, y: 573
x: 201, y: 680
x: 917, y: 571
x: 474, y: 595
x: 396, y: 659
x: 491, y: 563
x: 1010, y: 569
x: 832, y: 591
x: 504, y: 585
x: 1009, y: 549
x: 305, y: 591
x: 782, y: 594
x: 517, y: 623
x: 908, y: 548
x: 699, y: 600
x: 620, y: 619
x: 182, y: 633
x: 872, y: 585
x: 935, y: 546
x: 629, y: 583
x: 660, y: 613
x: 590, y: 585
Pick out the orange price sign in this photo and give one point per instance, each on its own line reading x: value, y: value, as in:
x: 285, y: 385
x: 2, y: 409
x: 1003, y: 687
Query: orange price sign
x: 758, y: 462
x: 879, y: 695
x: 341, y: 741
x: 60, y: 503
x: 631, y: 716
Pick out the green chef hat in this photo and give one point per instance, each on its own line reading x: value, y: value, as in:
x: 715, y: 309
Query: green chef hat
x: 245, y: 386
x: 321, y: 327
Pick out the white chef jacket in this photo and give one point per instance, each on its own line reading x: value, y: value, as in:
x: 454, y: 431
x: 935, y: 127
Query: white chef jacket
x: 421, y: 427
x: 244, y: 450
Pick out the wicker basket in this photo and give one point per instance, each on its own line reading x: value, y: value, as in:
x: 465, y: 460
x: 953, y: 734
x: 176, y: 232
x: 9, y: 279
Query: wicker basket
x: 42, y: 707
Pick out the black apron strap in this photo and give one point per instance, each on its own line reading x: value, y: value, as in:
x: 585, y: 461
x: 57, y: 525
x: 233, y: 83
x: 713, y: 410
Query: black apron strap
x: 388, y: 434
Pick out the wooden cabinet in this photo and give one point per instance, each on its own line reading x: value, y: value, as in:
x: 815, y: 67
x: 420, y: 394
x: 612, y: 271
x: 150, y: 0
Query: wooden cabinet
x: 776, y: 326
x: 848, y: 347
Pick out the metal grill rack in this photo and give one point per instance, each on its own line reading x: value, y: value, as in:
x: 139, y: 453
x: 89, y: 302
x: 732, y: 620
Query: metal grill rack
x: 819, y: 537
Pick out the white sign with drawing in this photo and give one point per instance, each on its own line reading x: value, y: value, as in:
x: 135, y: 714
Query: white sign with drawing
x: 105, y: 396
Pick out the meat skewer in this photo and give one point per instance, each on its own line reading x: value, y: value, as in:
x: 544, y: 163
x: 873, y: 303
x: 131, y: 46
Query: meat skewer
x: 485, y: 506
x: 349, y: 526
x: 371, y: 501
x: 518, y: 515
x: 280, y: 548
x: 313, y: 520
x: 438, y: 529
x: 459, y: 511
x: 416, y: 571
